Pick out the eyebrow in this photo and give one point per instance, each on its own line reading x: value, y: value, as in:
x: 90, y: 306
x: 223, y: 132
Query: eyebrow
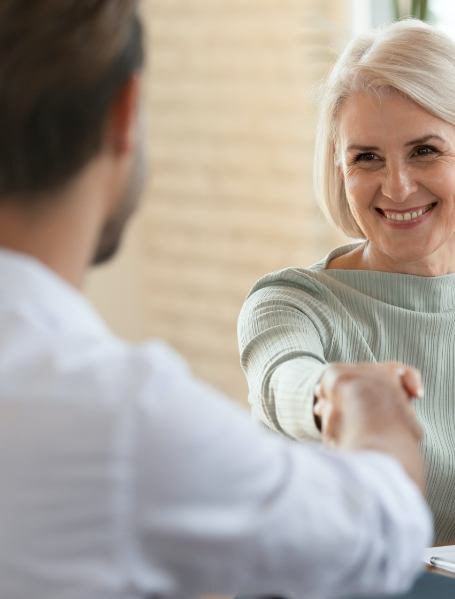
x: 419, y: 140
x: 425, y: 138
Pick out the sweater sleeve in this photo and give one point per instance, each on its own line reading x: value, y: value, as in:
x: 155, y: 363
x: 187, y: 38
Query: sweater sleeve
x: 283, y: 334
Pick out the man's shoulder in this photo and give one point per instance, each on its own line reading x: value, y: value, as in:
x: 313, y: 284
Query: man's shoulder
x: 84, y: 368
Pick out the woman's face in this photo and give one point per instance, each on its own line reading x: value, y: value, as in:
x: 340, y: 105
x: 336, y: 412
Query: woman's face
x: 398, y: 166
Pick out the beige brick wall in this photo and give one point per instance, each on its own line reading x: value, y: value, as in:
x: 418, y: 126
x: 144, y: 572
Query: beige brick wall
x: 230, y: 89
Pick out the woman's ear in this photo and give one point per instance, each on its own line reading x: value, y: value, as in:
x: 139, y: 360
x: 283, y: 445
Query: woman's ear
x: 122, y: 119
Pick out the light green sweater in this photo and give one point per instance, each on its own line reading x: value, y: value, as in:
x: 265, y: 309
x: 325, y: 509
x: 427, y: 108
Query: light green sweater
x: 295, y: 321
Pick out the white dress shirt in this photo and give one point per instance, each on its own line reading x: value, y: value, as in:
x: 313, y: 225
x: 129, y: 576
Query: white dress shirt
x: 122, y: 476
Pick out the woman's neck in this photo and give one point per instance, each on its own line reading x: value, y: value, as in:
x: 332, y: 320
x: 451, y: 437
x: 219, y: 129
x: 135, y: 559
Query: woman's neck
x: 368, y: 257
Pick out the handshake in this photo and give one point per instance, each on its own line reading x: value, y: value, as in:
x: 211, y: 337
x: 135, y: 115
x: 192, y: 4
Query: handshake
x: 369, y: 406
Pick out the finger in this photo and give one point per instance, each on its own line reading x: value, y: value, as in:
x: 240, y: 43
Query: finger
x: 317, y: 408
x: 332, y: 376
x: 330, y: 418
x: 321, y: 409
x: 417, y: 429
x: 410, y: 378
x: 414, y: 424
x: 332, y: 423
x: 412, y: 382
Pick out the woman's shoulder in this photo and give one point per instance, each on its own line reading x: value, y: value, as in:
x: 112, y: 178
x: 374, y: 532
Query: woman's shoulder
x: 312, y: 279
x: 343, y: 256
x: 292, y: 277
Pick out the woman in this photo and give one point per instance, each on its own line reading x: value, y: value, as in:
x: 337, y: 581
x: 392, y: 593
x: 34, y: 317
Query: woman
x: 385, y: 171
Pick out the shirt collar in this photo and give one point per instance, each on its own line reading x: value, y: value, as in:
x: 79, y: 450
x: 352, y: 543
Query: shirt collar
x: 28, y: 284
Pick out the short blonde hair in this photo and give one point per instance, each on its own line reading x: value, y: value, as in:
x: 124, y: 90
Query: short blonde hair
x: 408, y: 56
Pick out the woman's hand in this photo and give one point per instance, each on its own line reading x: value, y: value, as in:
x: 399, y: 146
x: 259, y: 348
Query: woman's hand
x: 367, y: 406
x: 409, y: 378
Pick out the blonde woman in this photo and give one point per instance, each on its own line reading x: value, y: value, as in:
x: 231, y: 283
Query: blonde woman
x: 384, y: 172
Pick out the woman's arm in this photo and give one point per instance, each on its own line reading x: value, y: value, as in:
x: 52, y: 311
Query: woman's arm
x: 283, y: 344
x: 286, y: 331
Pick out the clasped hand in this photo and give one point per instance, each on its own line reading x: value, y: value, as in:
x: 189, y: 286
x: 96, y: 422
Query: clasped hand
x: 368, y: 406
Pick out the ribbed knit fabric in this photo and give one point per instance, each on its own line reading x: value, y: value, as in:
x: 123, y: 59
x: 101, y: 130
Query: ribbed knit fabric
x: 295, y: 321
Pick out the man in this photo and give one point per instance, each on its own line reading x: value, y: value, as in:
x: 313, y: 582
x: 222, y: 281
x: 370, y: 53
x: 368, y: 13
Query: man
x: 123, y: 476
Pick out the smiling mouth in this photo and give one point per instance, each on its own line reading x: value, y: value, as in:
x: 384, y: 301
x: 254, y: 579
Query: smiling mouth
x: 408, y: 216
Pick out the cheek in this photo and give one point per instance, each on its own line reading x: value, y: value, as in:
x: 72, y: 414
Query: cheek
x: 444, y: 188
x: 440, y: 181
x: 360, y: 190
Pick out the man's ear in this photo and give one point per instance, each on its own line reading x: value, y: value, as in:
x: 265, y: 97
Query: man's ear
x: 122, y: 118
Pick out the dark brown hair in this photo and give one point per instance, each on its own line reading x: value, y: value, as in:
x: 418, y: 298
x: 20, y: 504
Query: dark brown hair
x: 62, y: 63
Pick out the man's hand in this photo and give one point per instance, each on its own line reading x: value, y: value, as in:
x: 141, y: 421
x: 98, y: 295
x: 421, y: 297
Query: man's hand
x: 367, y: 406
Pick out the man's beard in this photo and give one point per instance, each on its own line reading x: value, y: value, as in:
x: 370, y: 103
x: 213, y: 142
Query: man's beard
x: 112, y: 232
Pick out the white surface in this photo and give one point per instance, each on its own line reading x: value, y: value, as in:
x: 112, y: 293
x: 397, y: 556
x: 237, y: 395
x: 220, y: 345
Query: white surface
x: 446, y: 552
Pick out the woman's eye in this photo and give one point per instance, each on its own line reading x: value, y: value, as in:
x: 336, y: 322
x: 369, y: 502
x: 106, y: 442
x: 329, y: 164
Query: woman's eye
x: 365, y: 157
x: 425, y: 151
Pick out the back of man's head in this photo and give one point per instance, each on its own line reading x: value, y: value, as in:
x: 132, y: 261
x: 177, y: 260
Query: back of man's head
x: 62, y: 62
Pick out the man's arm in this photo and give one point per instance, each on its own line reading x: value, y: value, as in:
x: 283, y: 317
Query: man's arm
x: 219, y: 506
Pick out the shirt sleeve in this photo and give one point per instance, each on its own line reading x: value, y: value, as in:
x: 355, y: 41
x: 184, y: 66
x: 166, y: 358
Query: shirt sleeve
x: 282, y: 340
x: 219, y: 506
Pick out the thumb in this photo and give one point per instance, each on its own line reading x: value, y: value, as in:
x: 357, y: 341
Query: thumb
x: 411, y: 381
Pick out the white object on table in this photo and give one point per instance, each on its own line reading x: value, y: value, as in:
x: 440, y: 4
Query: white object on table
x: 441, y: 557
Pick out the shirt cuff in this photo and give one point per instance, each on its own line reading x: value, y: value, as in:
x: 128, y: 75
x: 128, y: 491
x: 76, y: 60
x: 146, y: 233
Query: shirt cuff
x: 292, y: 389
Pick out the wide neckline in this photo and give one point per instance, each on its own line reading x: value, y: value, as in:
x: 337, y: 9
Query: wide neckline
x: 412, y: 292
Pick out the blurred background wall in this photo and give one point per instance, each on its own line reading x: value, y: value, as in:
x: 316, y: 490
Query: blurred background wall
x: 231, y: 95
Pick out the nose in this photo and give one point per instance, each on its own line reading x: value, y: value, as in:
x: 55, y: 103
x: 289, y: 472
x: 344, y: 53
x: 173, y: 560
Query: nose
x: 398, y: 183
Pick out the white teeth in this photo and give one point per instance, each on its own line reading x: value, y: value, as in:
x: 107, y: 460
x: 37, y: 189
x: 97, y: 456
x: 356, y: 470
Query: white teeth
x: 399, y: 216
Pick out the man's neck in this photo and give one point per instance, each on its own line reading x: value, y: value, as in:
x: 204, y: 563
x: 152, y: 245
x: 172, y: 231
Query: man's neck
x: 60, y: 231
